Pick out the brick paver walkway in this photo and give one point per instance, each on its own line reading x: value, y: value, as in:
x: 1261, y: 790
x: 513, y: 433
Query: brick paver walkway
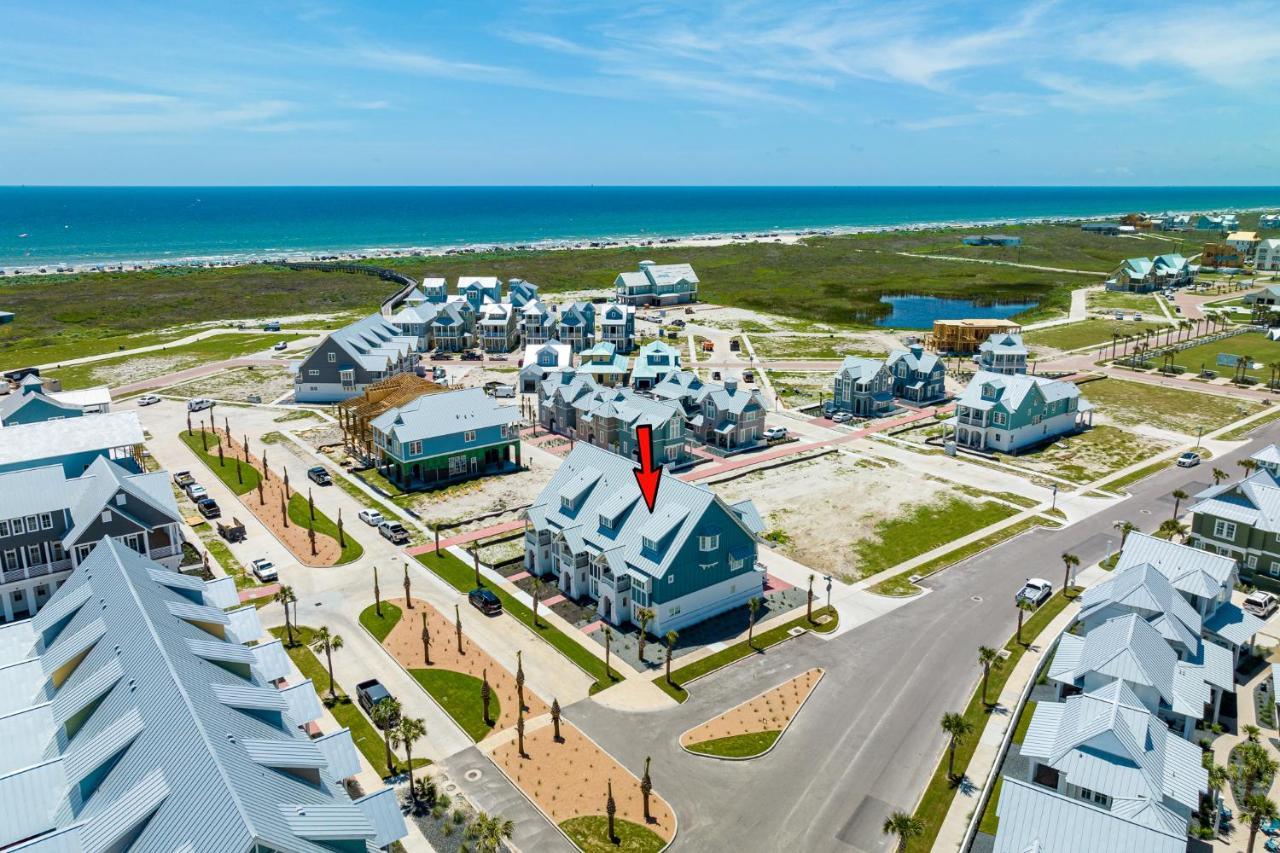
x: 463, y: 538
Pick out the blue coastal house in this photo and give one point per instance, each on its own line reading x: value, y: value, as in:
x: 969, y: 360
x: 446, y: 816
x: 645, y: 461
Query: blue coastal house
x: 657, y: 284
x: 478, y: 289
x: 692, y: 558
x: 863, y: 388
x: 520, y: 292
x: 998, y: 413
x: 605, y: 364
x: 73, y: 443
x: 30, y: 404
x: 655, y: 362
x: 435, y: 290
x: 918, y: 376
x: 618, y: 327
x: 577, y: 326
x: 1003, y: 352
x: 573, y: 404
x: 442, y: 438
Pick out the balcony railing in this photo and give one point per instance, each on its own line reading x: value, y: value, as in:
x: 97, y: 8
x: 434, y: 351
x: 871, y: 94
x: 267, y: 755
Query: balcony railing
x: 165, y: 551
x: 37, y: 571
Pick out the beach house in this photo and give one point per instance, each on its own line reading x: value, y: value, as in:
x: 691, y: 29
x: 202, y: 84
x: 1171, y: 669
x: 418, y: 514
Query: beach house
x: 520, y: 292
x: 577, y: 326
x: 497, y: 327
x: 1241, y: 520
x: 413, y: 320
x: 573, y: 404
x: 73, y: 443
x: 999, y: 413
x: 351, y: 358
x: 1003, y: 353
x: 657, y: 284
x: 539, y: 360
x: 442, y: 438
x: 654, y: 363
x: 435, y: 290
x: 691, y: 558
x: 30, y: 404
x: 1143, y: 275
x: 453, y: 327
x: 1225, y: 222
x: 618, y: 327
x: 49, y: 522
x: 537, y: 324
x: 918, y: 376
x: 135, y: 717
x: 727, y: 417
x: 1266, y: 257
x: 863, y: 387
x: 479, y: 289
x: 605, y: 364
x: 1245, y: 242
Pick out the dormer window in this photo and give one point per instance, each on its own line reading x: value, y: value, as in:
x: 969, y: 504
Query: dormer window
x: 648, y: 544
x: 567, y: 504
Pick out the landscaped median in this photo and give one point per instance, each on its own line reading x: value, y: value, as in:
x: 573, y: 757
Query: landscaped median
x: 462, y: 577
x: 932, y: 809
x: 457, y: 669
x: 364, y: 734
x: 751, y: 729
x: 243, y: 477
x: 824, y: 621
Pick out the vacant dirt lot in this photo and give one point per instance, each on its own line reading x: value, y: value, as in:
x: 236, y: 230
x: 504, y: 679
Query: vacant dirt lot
x: 238, y: 384
x: 817, y: 510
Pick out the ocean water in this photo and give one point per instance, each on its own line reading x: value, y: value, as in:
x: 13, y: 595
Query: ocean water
x: 51, y: 225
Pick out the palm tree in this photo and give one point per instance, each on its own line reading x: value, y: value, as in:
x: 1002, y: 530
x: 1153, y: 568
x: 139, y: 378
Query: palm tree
x: 285, y: 596
x: 377, y: 594
x: 1069, y: 561
x: 535, y: 589
x: 1023, y: 606
x: 671, y: 639
x: 486, y: 695
x: 1171, y: 529
x: 406, y: 733
x: 958, y: 727
x: 904, y: 826
x: 489, y: 832
x: 1258, y: 764
x: 611, y: 809
x: 1257, y: 808
x: 328, y: 643
x: 1251, y: 732
x: 1218, y: 475
x: 1178, y: 496
x: 1219, y: 778
x: 385, y: 714
x: 426, y: 640
x: 555, y: 719
x: 646, y: 790
x: 988, y: 659
x: 1248, y: 465
x: 643, y: 617
x: 753, y: 604
x: 1125, y: 528
x: 608, y: 646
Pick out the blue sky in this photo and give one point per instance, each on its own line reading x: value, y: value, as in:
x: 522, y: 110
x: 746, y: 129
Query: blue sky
x: 703, y: 92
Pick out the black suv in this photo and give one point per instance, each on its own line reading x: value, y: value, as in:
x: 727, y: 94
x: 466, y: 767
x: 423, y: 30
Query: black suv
x: 370, y: 693
x: 209, y: 508
x: 485, y: 601
x: 319, y: 476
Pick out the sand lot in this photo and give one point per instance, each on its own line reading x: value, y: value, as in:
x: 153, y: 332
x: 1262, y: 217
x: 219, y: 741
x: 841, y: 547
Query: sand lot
x: 238, y: 384
x: 815, y: 511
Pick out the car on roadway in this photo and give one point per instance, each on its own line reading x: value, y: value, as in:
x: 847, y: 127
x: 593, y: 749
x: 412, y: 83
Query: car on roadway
x: 281, y: 347
x: 1035, y: 590
x: 842, y: 417
x: 1190, y: 459
x: 370, y: 517
x: 394, y: 531
x: 209, y: 508
x: 199, y: 404
x: 148, y: 400
x: 370, y: 693
x: 775, y: 433
x: 319, y: 476
x: 485, y: 601
x: 1261, y: 604
x: 197, y: 492
x: 263, y: 569
x: 182, y: 479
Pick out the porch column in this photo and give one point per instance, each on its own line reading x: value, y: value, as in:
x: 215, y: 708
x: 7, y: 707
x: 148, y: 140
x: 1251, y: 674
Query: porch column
x: 7, y: 605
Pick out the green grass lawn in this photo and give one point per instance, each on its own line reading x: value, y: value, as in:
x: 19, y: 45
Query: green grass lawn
x: 362, y: 496
x: 459, y: 695
x: 1243, y: 431
x: 1251, y: 345
x: 738, y: 651
x: 737, y: 746
x: 1024, y: 723
x: 300, y: 515
x: 1086, y: 333
x: 1110, y: 300
x: 366, y: 736
x: 937, y: 798
x: 380, y: 626
x: 899, y: 585
x: 591, y: 834
x: 923, y: 528
x: 144, y: 366
x: 243, y: 483
x: 461, y: 577
x: 990, y: 823
x: 1177, y: 409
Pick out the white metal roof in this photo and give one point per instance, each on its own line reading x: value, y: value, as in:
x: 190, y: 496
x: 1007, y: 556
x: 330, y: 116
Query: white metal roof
x: 1035, y: 818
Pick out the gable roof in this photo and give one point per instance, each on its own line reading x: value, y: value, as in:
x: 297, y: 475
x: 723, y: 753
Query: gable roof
x: 57, y: 439
x: 101, y: 481
x: 1008, y: 343
x: 860, y: 369
x: 590, y: 480
x: 1144, y: 590
x: 1190, y: 570
x: 435, y: 415
x: 662, y: 275
x: 372, y: 342
x: 917, y: 359
x: 1035, y: 818
x: 167, y: 757
x: 1013, y: 391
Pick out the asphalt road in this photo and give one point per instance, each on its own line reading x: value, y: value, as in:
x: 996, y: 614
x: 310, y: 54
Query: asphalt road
x: 869, y: 738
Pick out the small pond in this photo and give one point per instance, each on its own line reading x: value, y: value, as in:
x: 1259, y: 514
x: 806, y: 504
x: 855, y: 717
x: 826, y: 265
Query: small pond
x: 919, y: 312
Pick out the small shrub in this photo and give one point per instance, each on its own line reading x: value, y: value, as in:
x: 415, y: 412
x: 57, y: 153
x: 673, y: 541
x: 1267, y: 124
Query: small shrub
x: 459, y: 816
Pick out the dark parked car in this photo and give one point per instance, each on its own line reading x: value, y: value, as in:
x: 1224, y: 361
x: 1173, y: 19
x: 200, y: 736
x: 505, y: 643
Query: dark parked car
x: 319, y: 476
x: 209, y: 508
x: 485, y: 601
x: 370, y: 693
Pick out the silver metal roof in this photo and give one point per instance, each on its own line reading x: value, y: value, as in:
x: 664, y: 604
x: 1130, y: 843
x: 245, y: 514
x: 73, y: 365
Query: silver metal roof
x: 55, y: 439
x: 1190, y: 570
x: 1035, y: 818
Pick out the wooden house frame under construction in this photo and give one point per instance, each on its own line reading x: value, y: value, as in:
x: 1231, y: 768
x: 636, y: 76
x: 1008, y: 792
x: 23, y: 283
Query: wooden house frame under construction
x: 355, y: 414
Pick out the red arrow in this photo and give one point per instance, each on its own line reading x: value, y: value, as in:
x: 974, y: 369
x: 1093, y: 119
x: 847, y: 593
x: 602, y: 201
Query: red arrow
x: 646, y: 475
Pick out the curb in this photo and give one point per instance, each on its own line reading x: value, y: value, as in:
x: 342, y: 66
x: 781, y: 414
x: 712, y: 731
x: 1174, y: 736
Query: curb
x: 821, y: 674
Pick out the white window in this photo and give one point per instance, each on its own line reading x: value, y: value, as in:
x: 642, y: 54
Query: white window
x: 566, y: 504
x: 674, y: 611
x: 57, y: 552
x: 1252, y: 561
x: 1224, y: 529
x: 106, y: 516
x: 313, y: 373
x: 735, y: 563
x: 709, y: 542
x: 46, y: 521
x: 35, y: 556
x: 10, y: 559
x: 648, y: 544
x: 33, y: 524
x: 82, y: 551
x: 469, y: 436
x: 120, y: 499
x: 457, y: 465
x: 1275, y: 569
x: 333, y: 357
x: 4, y: 528
x: 415, y: 448
x: 671, y: 579
x: 673, y: 452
